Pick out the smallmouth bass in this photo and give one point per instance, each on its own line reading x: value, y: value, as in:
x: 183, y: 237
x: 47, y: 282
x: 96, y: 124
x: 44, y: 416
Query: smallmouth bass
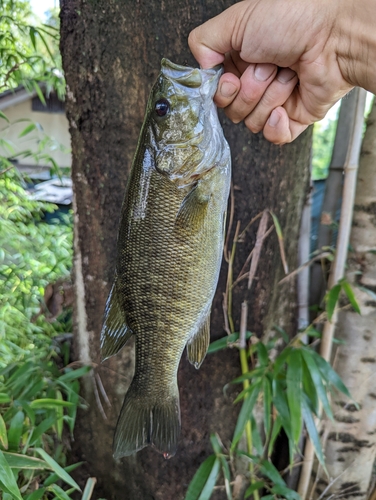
x: 169, y: 248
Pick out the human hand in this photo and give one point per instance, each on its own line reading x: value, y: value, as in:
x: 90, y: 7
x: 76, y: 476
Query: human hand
x: 285, y: 62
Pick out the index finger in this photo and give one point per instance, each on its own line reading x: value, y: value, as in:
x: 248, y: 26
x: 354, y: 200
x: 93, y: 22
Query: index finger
x: 210, y: 41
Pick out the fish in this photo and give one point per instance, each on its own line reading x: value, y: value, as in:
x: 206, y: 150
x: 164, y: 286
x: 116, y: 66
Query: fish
x: 169, y: 252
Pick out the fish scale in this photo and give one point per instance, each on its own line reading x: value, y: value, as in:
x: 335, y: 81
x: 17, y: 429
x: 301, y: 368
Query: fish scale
x: 169, y: 252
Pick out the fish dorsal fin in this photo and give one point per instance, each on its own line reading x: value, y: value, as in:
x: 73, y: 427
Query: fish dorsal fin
x: 198, y: 345
x: 192, y: 211
x: 115, y: 331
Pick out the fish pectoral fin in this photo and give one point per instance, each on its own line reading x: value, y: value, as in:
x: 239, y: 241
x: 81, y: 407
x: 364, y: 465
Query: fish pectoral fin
x: 115, y: 331
x: 198, y: 345
x: 143, y: 422
x: 193, y: 210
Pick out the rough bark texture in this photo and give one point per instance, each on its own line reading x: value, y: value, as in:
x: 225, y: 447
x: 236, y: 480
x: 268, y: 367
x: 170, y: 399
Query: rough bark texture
x: 351, y: 439
x: 111, y: 54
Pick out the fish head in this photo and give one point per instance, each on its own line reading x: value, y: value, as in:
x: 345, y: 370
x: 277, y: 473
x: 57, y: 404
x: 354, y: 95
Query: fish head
x: 185, y: 132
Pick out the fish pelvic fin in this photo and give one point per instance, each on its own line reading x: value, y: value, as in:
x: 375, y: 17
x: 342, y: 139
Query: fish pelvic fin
x: 115, y: 331
x: 143, y: 422
x: 198, y: 345
x: 192, y: 211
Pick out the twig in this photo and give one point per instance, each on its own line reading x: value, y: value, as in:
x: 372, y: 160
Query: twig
x: 6, y: 170
x: 230, y: 222
x: 303, y: 266
x: 261, y: 234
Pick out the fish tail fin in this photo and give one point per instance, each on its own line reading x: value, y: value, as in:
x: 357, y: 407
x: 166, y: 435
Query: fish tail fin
x: 144, y: 422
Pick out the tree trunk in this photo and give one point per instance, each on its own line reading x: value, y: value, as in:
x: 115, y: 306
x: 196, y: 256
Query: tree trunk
x: 351, y: 438
x: 111, y: 56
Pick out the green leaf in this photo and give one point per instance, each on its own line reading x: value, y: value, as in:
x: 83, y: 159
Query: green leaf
x: 53, y: 478
x: 3, y: 433
x: 15, y: 430
x: 332, y: 299
x: 75, y: 374
x: 200, y: 478
x: 39, y: 92
x: 57, y: 469
x: 49, y: 403
x: 18, y: 461
x: 286, y: 492
x: 32, y: 36
x: 263, y: 356
x: 316, y: 375
x: 36, y: 495
x: 7, y: 479
x: 294, y: 393
x: 3, y: 116
x: 268, y: 469
x: 281, y: 359
x: 351, y: 296
x: 59, y: 492
x: 89, y: 488
x: 312, y: 431
x: 267, y: 403
x: 27, y: 130
x: 4, y: 398
x: 282, y: 332
x: 329, y: 375
x: 257, y: 372
x: 224, y: 342
x: 254, y: 487
x: 245, y: 413
x: 210, y: 483
x: 41, y: 429
x: 275, y: 433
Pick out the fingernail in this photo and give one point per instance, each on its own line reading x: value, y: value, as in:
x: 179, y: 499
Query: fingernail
x: 285, y: 75
x: 264, y: 71
x: 274, y: 118
x: 228, y: 89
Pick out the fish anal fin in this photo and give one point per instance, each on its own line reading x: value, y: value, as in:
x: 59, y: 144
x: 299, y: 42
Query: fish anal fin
x: 144, y: 422
x: 192, y: 211
x: 198, y: 345
x: 115, y: 331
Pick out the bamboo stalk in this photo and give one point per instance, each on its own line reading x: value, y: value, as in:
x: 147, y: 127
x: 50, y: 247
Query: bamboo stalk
x: 337, y: 272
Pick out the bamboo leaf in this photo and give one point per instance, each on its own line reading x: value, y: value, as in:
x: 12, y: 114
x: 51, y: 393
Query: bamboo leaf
x: 15, y: 430
x: 27, y: 130
x: 285, y: 492
x: 32, y: 36
x: 18, y: 461
x: 39, y: 93
x: 210, y: 483
x: 49, y: 403
x: 271, y: 472
x: 89, y: 488
x: 224, y: 342
x: 263, y: 356
x: 312, y: 431
x: 329, y: 375
x: 200, y: 478
x: 57, y: 469
x: 351, y: 296
x: 74, y: 374
x: 59, y: 492
x: 3, y: 116
x: 52, y: 478
x: 249, y: 375
x: 278, y: 230
x: 315, y: 374
x: 332, y: 299
x: 294, y: 393
x: 3, y: 433
x: 245, y: 413
x: 254, y: 486
x: 36, y: 495
x: 267, y: 403
x: 7, y: 479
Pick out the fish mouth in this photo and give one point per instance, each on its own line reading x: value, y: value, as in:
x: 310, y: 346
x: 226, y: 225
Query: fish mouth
x: 193, y: 78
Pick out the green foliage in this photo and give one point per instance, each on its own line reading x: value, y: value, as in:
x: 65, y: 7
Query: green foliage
x: 32, y: 255
x: 28, y: 50
x: 290, y: 388
x: 323, y: 140
x: 38, y: 405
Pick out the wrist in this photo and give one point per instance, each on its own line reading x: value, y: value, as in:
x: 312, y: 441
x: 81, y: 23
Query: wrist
x: 355, y: 31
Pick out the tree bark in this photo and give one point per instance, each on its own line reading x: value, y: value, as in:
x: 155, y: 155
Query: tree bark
x: 111, y: 56
x: 351, y: 438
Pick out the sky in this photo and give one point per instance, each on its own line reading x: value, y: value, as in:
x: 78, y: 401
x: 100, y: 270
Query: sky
x: 39, y: 7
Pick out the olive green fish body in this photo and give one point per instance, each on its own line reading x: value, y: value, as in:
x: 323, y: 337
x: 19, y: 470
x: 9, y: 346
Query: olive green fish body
x: 169, y: 253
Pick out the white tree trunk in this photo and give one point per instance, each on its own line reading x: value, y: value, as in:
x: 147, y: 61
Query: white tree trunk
x: 350, y: 441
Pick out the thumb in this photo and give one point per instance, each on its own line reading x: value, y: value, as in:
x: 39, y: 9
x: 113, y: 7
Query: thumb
x: 210, y: 41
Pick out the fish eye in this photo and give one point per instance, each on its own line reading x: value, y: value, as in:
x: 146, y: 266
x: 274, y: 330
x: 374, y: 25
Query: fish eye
x: 162, y: 107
